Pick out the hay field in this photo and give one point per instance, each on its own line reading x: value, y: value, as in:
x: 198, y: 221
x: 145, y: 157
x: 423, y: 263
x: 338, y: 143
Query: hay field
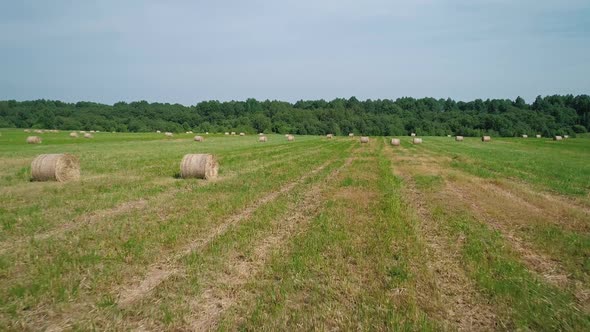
x: 310, y: 234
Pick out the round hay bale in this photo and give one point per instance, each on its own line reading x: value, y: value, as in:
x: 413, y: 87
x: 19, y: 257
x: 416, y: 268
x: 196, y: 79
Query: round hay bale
x: 198, y: 138
x: 233, y: 133
x: 88, y: 135
x: 201, y: 165
x: 27, y: 130
x: 158, y: 132
x: 566, y: 136
x: 525, y: 136
x: 260, y: 134
x: 416, y: 140
x: 351, y: 135
x: 207, y: 133
x: 262, y: 139
x: 557, y: 138
x: 226, y: 133
x: 459, y: 138
x: 74, y: 134
x: 34, y: 140
x: 168, y: 134
x: 364, y: 139
x: 538, y: 136
x: 448, y: 135
x: 486, y: 138
x: 59, y: 167
x: 92, y: 131
x: 413, y: 134
x: 395, y: 141
x: 329, y: 136
x: 290, y: 138
x: 242, y: 134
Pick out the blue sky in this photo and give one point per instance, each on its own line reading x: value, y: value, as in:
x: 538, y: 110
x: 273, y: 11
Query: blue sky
x: 189, y: 51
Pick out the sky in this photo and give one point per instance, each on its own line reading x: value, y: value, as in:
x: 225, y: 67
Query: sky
x: 189, y: 51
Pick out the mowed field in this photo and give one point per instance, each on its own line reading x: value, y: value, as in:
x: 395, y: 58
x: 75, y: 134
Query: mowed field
x: 310, y: 234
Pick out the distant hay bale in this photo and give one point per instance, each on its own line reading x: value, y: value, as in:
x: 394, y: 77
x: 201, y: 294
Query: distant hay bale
x: 329, y: 136
x: 233, y: 133
x: 242, y: 134
x: 38, y: 131
x: 290, y: 138
x: 364, y: 139
x: 207, y: 133
x: 262, y: 139
x: 566, y: 136
x: 92, y: 131
x: 260, y: 134
x: 27, y: 130
x: 351, y: 135
x: 459, y: 138
x: 158, y: 132
x: 59, y: 167
x: 34, y: 140
x: 74, y: 134
x: 168, y: 134
x: 82, y: 132
x: 416, y: 140
x: 557, y: 138
x: 226, y: 133
x: 486, y: 138
x: 395, y: 141
x: 413, y: 134
x: 198, y: 138
x: 538, y: 136
x: 202, y: 166
x: 88, y: 135
x: 286, y: 135
x: 525, y: 136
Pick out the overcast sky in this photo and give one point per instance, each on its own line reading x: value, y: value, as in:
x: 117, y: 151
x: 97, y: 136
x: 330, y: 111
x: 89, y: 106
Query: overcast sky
x: 189, y: 51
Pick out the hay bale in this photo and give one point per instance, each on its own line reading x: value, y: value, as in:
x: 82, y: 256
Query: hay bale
x: 557, y: 138
x: 486, y: 138
x: 198, y: 138
x: 566, y: 136
x: 88, y: 135
x: 329, y: 136
x: 538, y: 136
x: 27, y: 130
x: 92, y: 131
x: 290, y: 138
x: 233, y: 133
x: 34, y: 140
x: 207, y: 133
x: 459, y: 138
x: 242, y: 134
x: 351, y: 135
x: 525, y: 136
x: 416, y: 140
x: 201, y: 165
x: 74, y: 134
x: 260, y: 134
x: 38, y: 131
x: 158, y: 132
x: 226, y: 133
x: 59, y: 167
x: 395, y: 141
x: 413, y: 134
x: 364, y: 139
x: 262, y: 139
x: 168, y: 134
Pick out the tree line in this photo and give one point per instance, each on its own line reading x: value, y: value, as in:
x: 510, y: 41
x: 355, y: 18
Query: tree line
x: 549, y: 115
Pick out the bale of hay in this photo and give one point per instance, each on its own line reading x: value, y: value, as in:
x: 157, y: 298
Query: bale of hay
x: 33, y: 139
x: 262, y: 139
x: 557, y: 138
x: 168, y: 134
x: 233, y: 133
x: 566, y: 136
x: 82, y: 132
x: 290, y: 138
x: 329, y: 136
x: 158, y: 132
x: 242, y: 134
x: 74, y: 134
x: 416, y: 140
x: 351, y: 135
x: 207, y: 133
x: 198, y: 138
x: 448, y: 135
x: 59, y: 167
x: 260, y: 134
x: 27, y: 130
x: 200, y: 165
x: 395, y: 141
x: 413, y: 134
x: 364, y: 139
x: 38, y: 131
x: 525, y: 136
x: 226, y: 133
x: 92, y: 131
x: 538, y: 136
x: 459, y: 138
x: 486, y: 138
x: 88, y: 135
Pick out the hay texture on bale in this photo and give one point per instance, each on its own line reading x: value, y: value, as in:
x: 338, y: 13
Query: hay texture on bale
x: 416, y: 140
x: 198, y: 138
x: 200, y: 165
x: 74, y: 134
x: 364, y: 139
x: 262, y: 139
x: 290, y: 138
x: 459, y: 138
x: 525, y: 136
x: 395, y: 141
x: 329, y: 136
x: 538, y: 136
x: 557, y: 138
x: 33, y: 139
x: 486, y: 138
x: 59, y: 167
x: 168, y: 134
x: 88, y: 135
x: 413, y: 134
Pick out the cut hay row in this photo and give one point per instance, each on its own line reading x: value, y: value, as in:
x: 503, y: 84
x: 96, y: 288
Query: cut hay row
x: 201, y: 166
x: 55, y: 167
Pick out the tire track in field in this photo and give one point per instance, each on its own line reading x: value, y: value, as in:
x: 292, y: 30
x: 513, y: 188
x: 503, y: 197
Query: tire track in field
x: 166, y: 267
x: 126, y: 207
x: 221, y: 293
x: 462, y: 306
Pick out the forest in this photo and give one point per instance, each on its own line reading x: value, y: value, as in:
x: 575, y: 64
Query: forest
x: 549, y: 115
